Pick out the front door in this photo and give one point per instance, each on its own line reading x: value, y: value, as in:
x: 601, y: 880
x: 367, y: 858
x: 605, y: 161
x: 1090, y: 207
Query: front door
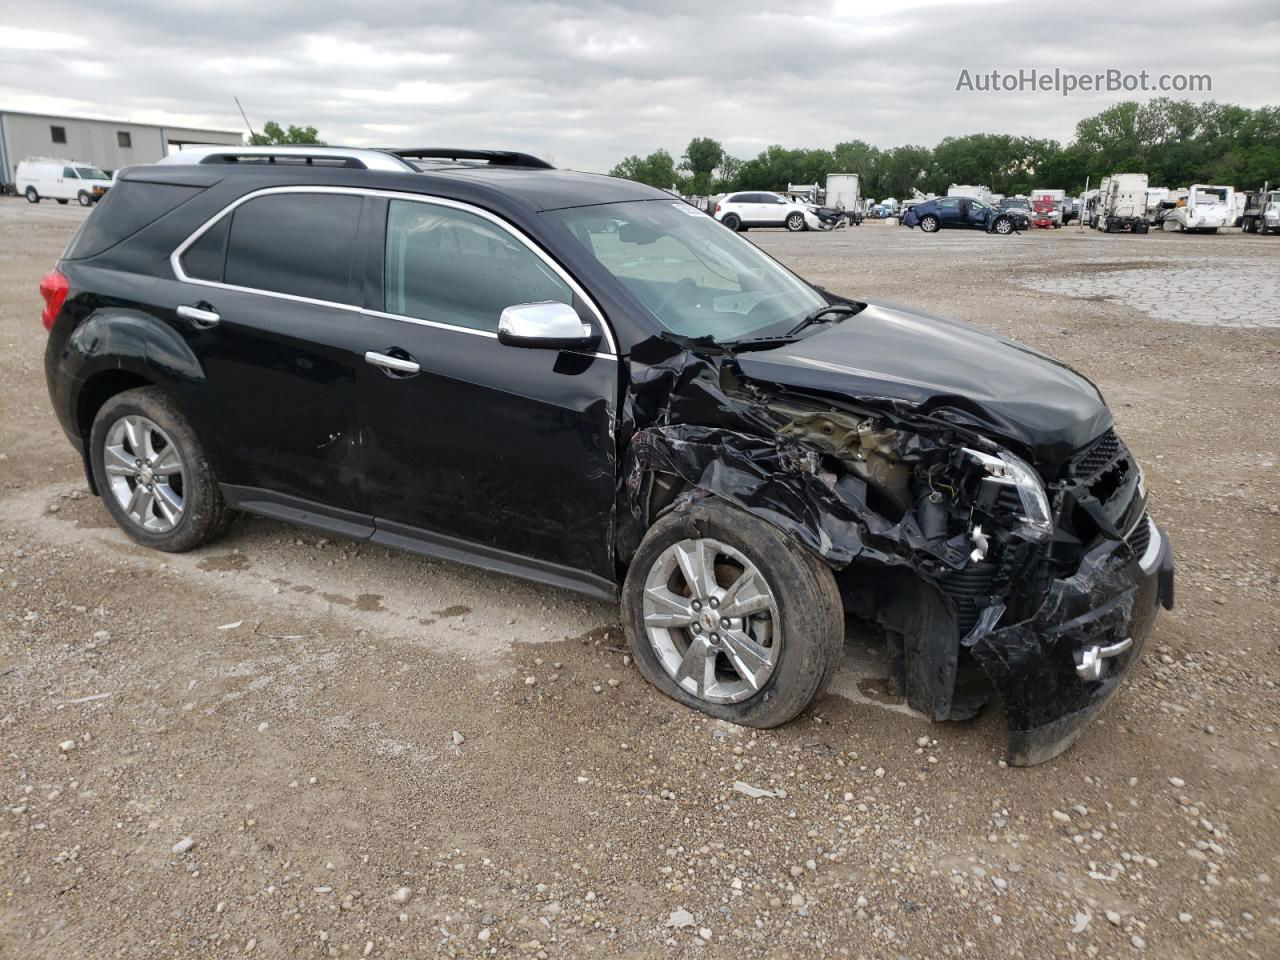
x: 507, y: 450
x: 269, y: 300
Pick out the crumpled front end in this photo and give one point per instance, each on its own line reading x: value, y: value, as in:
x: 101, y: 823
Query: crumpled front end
x: 1045, y: 578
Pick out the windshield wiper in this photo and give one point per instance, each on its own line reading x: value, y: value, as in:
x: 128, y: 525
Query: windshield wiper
x: 827, y: 309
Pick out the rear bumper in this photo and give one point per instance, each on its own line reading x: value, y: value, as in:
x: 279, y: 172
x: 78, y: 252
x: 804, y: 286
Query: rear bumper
x: 1055, y: 671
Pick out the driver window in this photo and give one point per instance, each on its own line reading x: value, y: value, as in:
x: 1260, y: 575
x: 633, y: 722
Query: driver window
x: 454, y: 267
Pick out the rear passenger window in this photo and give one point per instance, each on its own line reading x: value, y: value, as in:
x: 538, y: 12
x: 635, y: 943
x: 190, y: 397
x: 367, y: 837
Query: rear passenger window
x: 298, y: 243
x: 203, y: 259
x: 454, y: 267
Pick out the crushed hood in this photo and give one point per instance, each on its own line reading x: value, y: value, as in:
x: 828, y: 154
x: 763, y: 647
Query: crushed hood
x: 945, y: 368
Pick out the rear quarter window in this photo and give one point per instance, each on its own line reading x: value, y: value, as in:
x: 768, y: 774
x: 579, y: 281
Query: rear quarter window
x: 127, y: 208
x: 297, y: 243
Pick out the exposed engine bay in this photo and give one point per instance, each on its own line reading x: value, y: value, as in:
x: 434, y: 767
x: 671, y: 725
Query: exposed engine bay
x: 955, y: 544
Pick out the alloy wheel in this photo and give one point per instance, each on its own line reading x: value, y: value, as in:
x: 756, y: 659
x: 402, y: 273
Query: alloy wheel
x: 712, y: 620
x: 146, y: 473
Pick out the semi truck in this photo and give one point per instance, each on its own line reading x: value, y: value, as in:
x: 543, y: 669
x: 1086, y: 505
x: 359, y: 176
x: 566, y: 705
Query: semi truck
x: 1261, y: 211
x: 1206, y: 209
x: 844, y: 192
x: 1122, y: 203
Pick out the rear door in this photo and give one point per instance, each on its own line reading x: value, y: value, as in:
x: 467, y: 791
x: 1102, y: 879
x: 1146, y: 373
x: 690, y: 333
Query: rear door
x: 268, y: 298
x: 948, y: 209
x: 498, y: 452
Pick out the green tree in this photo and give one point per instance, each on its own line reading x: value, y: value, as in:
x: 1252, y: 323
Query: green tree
x: 658, y: 169
x: 273, y: 135
x: 701, y: 158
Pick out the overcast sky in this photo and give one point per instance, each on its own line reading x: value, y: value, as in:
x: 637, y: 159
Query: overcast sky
x: 585, y: 82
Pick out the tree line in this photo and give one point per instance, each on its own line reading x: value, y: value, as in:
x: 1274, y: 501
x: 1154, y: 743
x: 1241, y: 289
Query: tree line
x: 1175, y: 142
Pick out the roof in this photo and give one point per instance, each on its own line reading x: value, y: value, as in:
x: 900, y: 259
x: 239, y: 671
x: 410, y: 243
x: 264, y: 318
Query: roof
x: 534, y: 182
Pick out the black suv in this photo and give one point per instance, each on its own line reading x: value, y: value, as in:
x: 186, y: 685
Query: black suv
x: 589, y: 383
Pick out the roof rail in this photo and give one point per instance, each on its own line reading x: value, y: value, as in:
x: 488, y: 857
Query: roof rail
x: 496, y: 158
x: 352, y: 157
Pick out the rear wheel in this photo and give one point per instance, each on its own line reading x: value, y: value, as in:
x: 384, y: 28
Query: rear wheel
x: 152, y: 472
x: 795, y: 222
x: 732, y: 221
x: 929, y: 223
x: 32, y: 195
x: 727, y: 614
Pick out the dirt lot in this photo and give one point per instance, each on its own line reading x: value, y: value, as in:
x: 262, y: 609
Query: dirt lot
x: 288, y: 703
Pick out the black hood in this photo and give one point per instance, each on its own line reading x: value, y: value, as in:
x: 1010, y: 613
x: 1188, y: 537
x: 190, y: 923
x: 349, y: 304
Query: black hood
x: 947, y: 368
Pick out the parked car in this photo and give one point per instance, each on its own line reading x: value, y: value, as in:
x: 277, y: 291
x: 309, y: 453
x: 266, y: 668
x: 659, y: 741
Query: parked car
x: 61, y: 180
x: 581, y: 381
x: 739, y: 211
x: 964, y: 212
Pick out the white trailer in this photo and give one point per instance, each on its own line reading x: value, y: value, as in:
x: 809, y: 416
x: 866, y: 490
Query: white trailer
x: 1206, y: 209
x: 974, y: 190
x: 844, y: 192
x: 1122, y: 203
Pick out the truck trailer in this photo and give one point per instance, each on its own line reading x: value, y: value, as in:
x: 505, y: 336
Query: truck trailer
x: 844, y: 192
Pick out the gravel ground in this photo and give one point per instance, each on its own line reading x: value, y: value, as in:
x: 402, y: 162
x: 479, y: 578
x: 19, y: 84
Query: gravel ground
x: 285, y: 745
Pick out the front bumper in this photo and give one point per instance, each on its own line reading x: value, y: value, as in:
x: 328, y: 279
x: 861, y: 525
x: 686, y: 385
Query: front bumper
x: 1055, y: 671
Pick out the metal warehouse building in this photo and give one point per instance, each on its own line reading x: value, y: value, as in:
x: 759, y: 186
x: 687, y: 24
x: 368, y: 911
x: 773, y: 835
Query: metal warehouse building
x: 106, y: 144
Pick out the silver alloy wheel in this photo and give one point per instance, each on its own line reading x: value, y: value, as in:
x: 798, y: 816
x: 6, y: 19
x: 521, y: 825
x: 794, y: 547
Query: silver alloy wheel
x: 795, y: 222
x: 1004, y: 226
x: 712, y: 620
x: 145, y: 473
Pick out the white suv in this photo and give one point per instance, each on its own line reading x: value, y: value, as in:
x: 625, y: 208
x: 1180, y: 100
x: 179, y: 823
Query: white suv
x: 737, y: 211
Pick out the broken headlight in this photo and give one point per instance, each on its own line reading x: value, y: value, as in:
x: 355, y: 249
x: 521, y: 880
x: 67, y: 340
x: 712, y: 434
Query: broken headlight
x: 1005, y: 469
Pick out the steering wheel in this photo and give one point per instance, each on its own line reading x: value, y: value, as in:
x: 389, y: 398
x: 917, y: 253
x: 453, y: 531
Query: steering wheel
x: 679, y: 290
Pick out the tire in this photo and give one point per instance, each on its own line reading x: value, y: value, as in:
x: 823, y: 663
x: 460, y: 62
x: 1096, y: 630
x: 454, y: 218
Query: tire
x: 795, y: 222
x: 32, y: 195
x: 929, y: 223
x: 84, y: 199
x: 202, y: 515
x: 732, y: 221
x: 1003, y: 226
x: 1140, y: 228
x: 798, y: 586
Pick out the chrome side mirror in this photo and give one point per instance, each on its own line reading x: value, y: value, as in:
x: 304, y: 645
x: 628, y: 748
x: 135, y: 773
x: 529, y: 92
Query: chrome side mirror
x: 549, y: 325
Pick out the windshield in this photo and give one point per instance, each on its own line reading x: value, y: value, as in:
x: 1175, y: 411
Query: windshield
x: 91, y: 173
x: 696, y: 277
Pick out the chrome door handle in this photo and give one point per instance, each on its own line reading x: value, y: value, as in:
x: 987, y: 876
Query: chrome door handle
x: 200, y: 317
x: 394, y: 364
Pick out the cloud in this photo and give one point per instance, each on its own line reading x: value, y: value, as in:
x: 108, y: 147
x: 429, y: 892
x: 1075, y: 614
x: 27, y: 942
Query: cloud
x: 589, y: 81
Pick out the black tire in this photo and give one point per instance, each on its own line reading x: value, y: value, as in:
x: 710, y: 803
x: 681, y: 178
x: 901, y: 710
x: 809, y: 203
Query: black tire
x: 808, y: 601
x: 795, y: 222
x: 32, y: 195
x: 1140, y: 228
x: 929, y: 223
x: 205, y: 515
x: 732, y: 221
x: 84, y: 199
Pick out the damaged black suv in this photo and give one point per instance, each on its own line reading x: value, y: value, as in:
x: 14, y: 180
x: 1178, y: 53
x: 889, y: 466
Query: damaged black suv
x: 587, y: 382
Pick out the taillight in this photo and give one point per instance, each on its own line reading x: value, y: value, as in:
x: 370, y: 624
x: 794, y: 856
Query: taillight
x: 717, y: 208
x: 53, y: 287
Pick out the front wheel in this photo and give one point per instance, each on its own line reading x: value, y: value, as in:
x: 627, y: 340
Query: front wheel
x: 929, y: 223
x: 84, y: 199
x: 795, y: 222
x: 726, y: 614
x: 152, y: 473
x: 32, y: 195
x: 1004, y: 226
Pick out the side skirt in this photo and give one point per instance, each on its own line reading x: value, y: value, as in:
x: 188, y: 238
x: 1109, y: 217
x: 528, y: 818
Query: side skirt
x: 427, y: 543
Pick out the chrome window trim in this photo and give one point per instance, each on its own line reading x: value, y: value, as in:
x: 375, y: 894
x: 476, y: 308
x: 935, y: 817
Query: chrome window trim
x: 175, y: 258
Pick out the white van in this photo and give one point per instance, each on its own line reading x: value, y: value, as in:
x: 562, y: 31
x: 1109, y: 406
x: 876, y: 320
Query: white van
x: 61, y: 180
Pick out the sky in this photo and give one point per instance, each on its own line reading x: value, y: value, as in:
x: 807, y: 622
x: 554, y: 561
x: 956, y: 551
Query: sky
x: 584, y: 83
